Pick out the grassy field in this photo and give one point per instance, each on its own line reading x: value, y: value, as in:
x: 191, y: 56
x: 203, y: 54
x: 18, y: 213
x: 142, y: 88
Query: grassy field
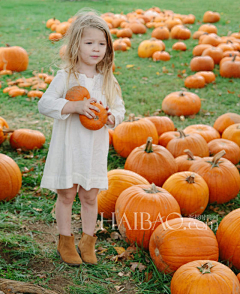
x: 28, y: 234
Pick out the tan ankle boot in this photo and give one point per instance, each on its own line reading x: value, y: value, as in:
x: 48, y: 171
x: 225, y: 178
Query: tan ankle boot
x: 67, y: 250
x: 86, y: 248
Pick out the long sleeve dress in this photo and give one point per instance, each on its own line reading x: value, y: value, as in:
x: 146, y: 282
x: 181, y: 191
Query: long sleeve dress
x: 76, y: 155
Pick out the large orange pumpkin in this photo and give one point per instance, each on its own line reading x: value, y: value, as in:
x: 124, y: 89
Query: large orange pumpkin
x: 232, y: 133
x: 190, y: 190
x: 202, y: 63
x: 231, y: 148
x: 162, y: 123
x: 225, y: 120
x: 10, y: 178
x: 179, y: 241
x: 14, y: 58
x: 206, y: 131
x: 221, y: 175
x: 118, y: 181
x: 140, y: 209
x: 154, y: 162
x: 228, y: 238
x: 181, y: 103
x: 133, y: 133
x: 193, y: 142
x: 27, y: 139
x: 204, y: 276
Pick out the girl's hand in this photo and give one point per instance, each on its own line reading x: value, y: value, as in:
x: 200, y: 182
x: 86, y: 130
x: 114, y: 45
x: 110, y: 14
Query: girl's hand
x: 84, y: 107
x: 111, y: 118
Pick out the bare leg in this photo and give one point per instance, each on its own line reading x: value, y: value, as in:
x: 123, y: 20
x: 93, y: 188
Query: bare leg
x: 64, y: 209
x: 89, y: 209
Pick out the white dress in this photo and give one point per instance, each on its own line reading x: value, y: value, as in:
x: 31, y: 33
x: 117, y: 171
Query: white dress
x: 76, y: 155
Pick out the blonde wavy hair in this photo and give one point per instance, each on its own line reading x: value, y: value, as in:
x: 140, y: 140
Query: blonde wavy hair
x: 90, y: 19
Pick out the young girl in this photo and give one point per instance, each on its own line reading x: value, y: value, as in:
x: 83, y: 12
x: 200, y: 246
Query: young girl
x: 77, y: 157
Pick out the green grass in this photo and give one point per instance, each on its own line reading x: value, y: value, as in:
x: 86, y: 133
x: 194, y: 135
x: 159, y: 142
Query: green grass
x: 28, y: 232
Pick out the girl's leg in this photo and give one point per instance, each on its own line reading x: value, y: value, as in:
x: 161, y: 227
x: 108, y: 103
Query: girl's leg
x: 66, y: 244
x: 89, y: 209
x: 64, y: 209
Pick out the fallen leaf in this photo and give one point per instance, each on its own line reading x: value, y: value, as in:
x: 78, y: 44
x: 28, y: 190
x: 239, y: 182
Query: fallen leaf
x: 157, y: 73
x: 115, y: 235
x: 148, y: 276
x: 129, y: 65
x: 182, y: 118
x: 138, y: 265
x: 119, y: 288
x: 119, y: 250
x: 37, y: 209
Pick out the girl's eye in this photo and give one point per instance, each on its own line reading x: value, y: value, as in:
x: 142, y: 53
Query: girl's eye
x: 102, y: 44
x: 89, y: 43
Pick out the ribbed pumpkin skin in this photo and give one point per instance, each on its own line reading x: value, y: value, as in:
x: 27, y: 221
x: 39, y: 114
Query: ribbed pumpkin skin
x: 206, y: 131
x: 118, y: 181
x: 27, y: 139
x: 77, y: 93
x: 231, y: 148
x: 232, y: 133
x: 183, y: 162
x: 193, y: 142
x: 166, y: 137
x: 229, y: 239
x: 134, y: 207
x: 129, y: 135
x: 191, y: 197
x: 223, y: 180
x: 225, y: 120
x: 171, y: 245
x: 189, y: 280
x: 10, y: 178
x: 156, y: 166
x: 181, y: 103
x: 3, y: 123
x: 15, y: 58
x: 95, y: 123
x: 162, y: 123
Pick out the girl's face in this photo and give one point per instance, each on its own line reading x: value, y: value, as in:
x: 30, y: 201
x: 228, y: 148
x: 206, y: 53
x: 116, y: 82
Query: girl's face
x: 93, y: 46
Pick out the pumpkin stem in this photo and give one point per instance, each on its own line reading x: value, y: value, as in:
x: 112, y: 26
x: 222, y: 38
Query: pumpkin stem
x: 131, y: 117
x: 238, y: 127
x: 182, y: 134
x: 152, y: 190
x: 189, y: 154
x: 6, y: 131
x: 217, y: 157
x: 206, y: 268
x: 148, y: 147
x: 181, y: 93
x: 190, y: 179
x: 234, y: 57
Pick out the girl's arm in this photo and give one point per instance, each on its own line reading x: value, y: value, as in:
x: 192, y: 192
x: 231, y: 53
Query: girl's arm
x: 52, y: 101
x: 117, y: 113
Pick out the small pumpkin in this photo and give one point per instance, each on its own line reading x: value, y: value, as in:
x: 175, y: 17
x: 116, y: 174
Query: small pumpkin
x: 181, y: 46
x: 221, y: 175
x: 179, y: 241
x: 10, y: 178
x: 161, y: 55
x: 123, y: 33
x: 147, y: 47
x: 215, y: 52
x: 181, y: 103
x: 119, y: 45
x: 55, y: 37
x: 77, y: 93
x: 198, y: 49
x: 17, y: 92
x: 98, y: 122
x: 166, y: 137
x: 35, y: 93
x: 209, y: 28
x: 194, y: 82
x: 63, y: 27
x: 161, y: 33
x: 138, y: 28
x: 27, y: 139
x: 209, y: 76
x: 202, y: 63
x: 190, y: 190
x: 140, y: 209
x: 211, y: 16
x: 212, y: 39
x: 180, y: 32
x: 204, y: 276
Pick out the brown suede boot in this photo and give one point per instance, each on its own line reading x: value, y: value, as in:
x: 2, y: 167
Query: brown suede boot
x: 86, y: 248
x: 67, y: 250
